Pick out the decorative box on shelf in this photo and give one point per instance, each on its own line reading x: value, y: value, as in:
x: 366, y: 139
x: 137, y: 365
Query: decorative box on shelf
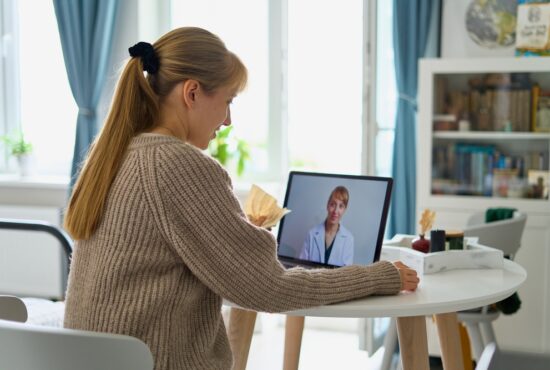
x: 474, y: 256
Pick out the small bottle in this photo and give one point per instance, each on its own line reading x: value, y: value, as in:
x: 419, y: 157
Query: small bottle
x: 421, y: 244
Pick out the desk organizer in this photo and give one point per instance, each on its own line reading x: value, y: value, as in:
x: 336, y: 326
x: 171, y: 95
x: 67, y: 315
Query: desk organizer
x: 475, y: 256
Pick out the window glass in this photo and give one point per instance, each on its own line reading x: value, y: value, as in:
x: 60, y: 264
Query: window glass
x: 325, y: 46
x: 246, y: 34
x: 386, y: 90
x: 48, y: 110
x: 384, y: 152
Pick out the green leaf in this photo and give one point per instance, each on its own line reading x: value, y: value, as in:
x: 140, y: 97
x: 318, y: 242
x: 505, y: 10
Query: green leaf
x: 16, y: 144
x: 225, y: 146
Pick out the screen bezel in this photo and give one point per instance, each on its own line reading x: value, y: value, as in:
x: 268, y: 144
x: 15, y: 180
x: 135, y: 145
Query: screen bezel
x: 383, y: 221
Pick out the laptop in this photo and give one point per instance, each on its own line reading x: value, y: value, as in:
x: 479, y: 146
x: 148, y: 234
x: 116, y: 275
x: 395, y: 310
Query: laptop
x: 335, y: 220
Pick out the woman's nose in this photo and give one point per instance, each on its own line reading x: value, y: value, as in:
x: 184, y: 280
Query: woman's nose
x: 227, y: 120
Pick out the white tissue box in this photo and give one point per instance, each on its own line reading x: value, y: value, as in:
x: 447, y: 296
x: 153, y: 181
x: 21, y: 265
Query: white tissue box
x: 475, y: 256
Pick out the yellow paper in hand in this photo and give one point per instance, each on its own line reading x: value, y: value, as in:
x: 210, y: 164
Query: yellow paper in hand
x: 262, y: 209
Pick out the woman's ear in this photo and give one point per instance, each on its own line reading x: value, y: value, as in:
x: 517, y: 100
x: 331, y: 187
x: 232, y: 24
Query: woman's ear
x: 190, y: 91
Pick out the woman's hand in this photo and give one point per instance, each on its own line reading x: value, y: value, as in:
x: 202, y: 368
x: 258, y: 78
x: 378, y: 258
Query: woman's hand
x: 409, y: 278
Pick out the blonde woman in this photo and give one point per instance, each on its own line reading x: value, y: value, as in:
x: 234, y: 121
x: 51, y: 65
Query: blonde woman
x: 330, y: 242
x: 160, y: 237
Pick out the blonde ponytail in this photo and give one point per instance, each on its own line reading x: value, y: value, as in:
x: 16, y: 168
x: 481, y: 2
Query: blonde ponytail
x: 184, y: 53
x: 134, y: 109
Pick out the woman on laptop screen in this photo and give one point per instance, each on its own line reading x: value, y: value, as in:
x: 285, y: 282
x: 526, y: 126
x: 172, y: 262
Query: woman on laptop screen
x: 330, y: 242
x: 161, y: 239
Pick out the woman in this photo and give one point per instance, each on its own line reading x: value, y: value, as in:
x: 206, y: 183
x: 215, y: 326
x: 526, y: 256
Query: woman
x: 330, y: 242
x: 160, y: 237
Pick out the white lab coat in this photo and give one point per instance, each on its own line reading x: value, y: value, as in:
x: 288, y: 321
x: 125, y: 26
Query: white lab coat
x: 314, y: 246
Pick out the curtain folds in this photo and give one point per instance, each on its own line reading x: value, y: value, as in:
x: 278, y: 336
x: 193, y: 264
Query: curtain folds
x: 86, y: 32
x: 411, y: 31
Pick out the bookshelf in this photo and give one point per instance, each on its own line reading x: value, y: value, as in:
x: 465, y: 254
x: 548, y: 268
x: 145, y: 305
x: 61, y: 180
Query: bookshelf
x: 483, y: 140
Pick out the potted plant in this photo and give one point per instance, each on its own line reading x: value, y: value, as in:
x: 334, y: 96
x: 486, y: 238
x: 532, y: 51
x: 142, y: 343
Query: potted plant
x: 19, y: 148
x: 226, y: 147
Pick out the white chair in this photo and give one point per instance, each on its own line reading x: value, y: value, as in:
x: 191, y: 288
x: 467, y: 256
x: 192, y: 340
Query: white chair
x: 12, y: 309
x: 38, y: 310
x: 506, y: 236
x: 31, y: 347
x: 493, y: 359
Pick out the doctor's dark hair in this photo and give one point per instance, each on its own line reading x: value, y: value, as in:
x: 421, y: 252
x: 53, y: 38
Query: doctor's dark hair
x: 340, y: 193
x: 182, y: 54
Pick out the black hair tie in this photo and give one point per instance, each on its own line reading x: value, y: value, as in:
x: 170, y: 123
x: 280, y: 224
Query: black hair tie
x: 149, y: 58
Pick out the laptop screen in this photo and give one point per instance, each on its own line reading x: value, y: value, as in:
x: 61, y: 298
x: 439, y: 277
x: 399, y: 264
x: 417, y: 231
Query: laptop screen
x: 335, y: 220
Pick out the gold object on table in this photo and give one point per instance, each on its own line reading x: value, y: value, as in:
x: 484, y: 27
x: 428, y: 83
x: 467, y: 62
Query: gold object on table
x: 262, y: 209
x: 426, y: 221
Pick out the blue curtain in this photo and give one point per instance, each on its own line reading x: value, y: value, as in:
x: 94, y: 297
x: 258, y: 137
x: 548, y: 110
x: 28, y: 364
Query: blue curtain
x: 411, y: 29
x: 86, y: 31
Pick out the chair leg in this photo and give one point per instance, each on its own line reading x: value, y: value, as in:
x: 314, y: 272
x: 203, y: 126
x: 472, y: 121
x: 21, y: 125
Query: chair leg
x: 390, y: 343
x: 466, y: 347
x: 487, y: 333
x: 475, y: 338
x: 294, y: 329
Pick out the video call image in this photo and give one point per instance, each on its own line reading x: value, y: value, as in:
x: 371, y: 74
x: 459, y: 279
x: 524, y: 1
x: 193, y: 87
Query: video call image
x: 333, y: 221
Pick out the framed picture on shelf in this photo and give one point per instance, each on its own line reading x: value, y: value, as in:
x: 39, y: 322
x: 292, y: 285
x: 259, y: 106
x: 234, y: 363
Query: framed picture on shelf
x: 473, y: 28
x: 533, y: 28
x: 539, y: 182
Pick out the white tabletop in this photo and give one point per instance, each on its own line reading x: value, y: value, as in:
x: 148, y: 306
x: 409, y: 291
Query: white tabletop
x: 448, y: 291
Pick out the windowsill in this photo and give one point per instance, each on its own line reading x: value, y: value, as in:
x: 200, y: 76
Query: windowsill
x: 35, y: 182
x: 32, y: 191
x: 53, y: 190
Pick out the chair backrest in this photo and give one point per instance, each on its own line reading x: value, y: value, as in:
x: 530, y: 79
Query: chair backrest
x: 504, y: 235
x: 12, y: 308
x: 30, y: 347
x: 44, y: 227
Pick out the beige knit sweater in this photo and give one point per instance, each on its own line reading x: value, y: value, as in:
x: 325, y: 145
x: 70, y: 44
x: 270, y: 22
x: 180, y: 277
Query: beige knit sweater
x: 172, y: 242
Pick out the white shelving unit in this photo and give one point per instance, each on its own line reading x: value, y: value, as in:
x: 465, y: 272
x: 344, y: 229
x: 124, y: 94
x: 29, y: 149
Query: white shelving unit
x: 529, y: 328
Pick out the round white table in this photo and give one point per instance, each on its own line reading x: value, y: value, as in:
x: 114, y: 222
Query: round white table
x: 441, y: 294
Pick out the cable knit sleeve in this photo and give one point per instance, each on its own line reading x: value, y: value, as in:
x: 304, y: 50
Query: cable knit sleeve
x: 202, y: 220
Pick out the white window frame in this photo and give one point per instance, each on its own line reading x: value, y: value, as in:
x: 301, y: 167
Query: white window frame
x: 370, y: 125
x: 277, y: 143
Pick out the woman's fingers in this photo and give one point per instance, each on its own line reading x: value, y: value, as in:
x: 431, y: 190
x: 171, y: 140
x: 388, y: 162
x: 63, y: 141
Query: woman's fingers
x: 409, y: 277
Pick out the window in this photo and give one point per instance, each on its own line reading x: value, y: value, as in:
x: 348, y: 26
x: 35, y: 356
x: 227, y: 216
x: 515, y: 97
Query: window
x: 47, y: 109
x: 303, y: 106
x: 246, y: 34
x: 325, y: 85
x: 36, y: 98
x: 386, y: 89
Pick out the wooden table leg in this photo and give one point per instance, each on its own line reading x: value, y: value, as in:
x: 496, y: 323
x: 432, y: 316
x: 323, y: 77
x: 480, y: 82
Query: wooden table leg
x: 294, y: 329
x: 449, y: 340
x: 413, y: 342
x: 241, y: 328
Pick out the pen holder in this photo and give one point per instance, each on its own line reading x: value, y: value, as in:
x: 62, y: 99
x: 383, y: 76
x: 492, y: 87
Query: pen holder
x: 437, y: 240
